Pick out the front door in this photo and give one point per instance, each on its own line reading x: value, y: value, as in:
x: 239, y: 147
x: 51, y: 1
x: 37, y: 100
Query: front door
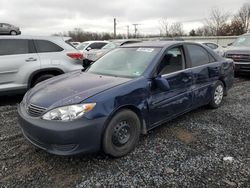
x: 164, y: 105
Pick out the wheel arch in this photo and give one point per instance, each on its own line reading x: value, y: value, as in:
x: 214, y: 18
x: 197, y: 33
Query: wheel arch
x: 36, y: 74
x: 225, y: 85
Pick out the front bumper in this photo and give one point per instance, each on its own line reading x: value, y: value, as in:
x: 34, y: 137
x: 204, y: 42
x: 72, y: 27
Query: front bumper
x: 62, y: 138
x: 242, y: 67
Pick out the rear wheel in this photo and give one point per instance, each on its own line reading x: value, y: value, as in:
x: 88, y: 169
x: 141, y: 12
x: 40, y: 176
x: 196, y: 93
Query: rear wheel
x: 42, y: 78
x: 122, y: 134
x: 217, y: 95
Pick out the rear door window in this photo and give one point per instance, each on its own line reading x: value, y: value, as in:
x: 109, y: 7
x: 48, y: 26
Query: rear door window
x: 199, y: 56
x: 97, y: 45
x: 44, y: 46
x: 14, y: 46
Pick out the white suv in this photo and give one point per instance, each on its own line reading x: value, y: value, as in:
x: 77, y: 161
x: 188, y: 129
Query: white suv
x: 26, y: 61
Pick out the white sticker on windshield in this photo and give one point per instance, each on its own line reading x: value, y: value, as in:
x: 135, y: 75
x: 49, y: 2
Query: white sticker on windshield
x: 145, y: 50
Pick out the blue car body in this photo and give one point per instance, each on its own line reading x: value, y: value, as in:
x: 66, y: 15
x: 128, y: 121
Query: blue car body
x: 190, y: 88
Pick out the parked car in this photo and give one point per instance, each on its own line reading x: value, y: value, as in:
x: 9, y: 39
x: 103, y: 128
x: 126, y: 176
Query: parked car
x: 75, y: 44
x: 8, y: 29
x: 239, y: 51
x: 85, y: 47
x: 215, y: 47
x: 26, y: 61
x: 96, y: 54
x: 124, y: 94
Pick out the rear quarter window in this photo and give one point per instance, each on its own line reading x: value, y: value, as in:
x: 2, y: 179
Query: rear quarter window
x: 14, y: 46
x: 199, y: 56
x: 44, y: 46
x: 211, y: 45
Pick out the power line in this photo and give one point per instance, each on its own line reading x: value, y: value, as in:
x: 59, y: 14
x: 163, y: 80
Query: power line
x: 115, y: 28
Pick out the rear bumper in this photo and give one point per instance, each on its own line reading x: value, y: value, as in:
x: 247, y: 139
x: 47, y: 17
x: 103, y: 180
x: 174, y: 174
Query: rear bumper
x: 62, y: 138
x: 242, y: 67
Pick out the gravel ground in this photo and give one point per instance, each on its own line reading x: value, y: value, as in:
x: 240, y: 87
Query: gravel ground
x: 204, y: 148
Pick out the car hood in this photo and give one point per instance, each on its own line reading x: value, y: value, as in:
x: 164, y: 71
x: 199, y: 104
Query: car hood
x: 240, y: 50
x: 71, y: 88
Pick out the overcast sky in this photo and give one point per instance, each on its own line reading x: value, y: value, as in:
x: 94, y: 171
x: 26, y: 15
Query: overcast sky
x: 45, y: 17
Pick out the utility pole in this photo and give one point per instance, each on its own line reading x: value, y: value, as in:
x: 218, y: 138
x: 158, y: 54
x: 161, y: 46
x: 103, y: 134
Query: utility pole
x: 135, y: 26
x: 127, y: 31
x: 115, y: 28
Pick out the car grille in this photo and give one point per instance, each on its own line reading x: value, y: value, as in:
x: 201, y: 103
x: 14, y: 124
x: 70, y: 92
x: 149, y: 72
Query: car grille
x: 35, y: 111
x: 239, y: 57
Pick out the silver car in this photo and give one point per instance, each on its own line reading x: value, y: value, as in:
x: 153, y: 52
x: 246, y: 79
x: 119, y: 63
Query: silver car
x: 9, y: 29
x: 26, y: 61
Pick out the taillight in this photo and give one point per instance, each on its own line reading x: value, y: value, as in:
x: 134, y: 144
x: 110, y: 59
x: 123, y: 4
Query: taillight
x: 76, y: 56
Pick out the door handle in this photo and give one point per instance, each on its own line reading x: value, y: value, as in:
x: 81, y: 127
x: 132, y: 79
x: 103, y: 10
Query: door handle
x: 30, y: 59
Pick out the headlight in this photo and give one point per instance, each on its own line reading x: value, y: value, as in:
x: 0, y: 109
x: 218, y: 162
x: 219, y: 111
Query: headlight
x: 68, y: 113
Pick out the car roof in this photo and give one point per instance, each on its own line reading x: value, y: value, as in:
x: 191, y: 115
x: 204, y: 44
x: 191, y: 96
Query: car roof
x: 34, y: 37
x: 155, y: 44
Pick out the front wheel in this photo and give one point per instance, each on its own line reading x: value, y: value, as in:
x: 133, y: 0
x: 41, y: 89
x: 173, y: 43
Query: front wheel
x: 217, y: 95
x: 13, y: 33
x: 121, y: 134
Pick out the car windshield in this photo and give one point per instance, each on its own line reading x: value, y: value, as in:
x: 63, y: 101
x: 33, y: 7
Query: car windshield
x: 243, y: 41
x: 82, y: 46
x: 110, y: 46
x: 124, y: 62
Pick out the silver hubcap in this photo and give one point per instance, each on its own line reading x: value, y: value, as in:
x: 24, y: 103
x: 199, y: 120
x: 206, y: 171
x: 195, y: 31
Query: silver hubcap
x: 218, y: 94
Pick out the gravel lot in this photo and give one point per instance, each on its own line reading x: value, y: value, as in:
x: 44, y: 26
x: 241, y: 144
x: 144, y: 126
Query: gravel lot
x: 204, y: 148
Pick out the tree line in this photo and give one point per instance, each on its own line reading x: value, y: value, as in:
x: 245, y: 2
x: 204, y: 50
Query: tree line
x: 221, y: 23
x: 218, y: 23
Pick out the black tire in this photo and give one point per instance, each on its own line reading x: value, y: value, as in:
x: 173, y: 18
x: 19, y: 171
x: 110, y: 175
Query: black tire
x: 41, y: 78
x: 121, y: 134
x: 236, y: 74
x: 217, y: 95
x: 13, y: 33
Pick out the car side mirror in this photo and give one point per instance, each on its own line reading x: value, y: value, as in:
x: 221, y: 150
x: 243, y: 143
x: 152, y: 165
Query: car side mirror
x: 89, y: 48
x: 86, y: 63
x: 162, y: 83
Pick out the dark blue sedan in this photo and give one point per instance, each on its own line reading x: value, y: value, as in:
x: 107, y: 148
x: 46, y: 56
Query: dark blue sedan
x: 124, y: 94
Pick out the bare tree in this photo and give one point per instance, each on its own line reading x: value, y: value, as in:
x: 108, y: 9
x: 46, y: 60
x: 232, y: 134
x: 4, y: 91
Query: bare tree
x: 168, y: 29
x: 176, y: 29
x: 244, y: 17
x: 164, y: 27
x: 216, y: 21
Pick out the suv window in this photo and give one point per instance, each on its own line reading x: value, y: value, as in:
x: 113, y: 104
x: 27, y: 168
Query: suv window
x: 97, y: 45
x: 198, y: 55
x: 172, y: 61
x: 14, y: 46
x: 6, y: 25
x: 43, y: 46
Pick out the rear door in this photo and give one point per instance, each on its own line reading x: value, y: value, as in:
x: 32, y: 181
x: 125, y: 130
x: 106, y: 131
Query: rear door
x: 164, y: 105
x: 49, y: 53
x: 16, y: 55
x: 205, y: 72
